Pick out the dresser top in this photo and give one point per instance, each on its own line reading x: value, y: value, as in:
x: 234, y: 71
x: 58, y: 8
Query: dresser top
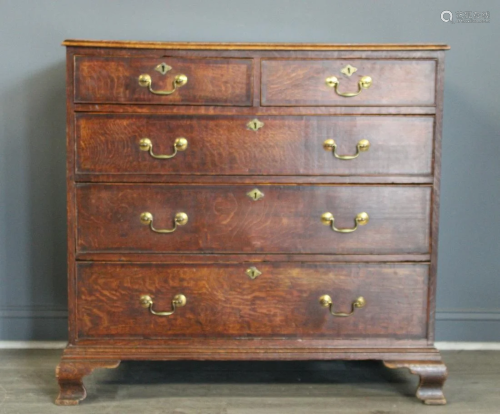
x: 254, y: 46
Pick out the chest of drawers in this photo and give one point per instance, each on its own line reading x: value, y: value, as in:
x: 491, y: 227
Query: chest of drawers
x: 252, y: 202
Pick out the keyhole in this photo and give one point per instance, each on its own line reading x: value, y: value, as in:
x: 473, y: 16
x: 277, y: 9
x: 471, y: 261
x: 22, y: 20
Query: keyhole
x: 348, y: 71
x: 255, y: 194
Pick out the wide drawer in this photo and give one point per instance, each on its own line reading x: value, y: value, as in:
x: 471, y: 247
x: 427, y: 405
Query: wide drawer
x: 224, y: 145
x: 222, y: 300
x: 233, y: 218
x: 311, y: 82
x: 214, y: 81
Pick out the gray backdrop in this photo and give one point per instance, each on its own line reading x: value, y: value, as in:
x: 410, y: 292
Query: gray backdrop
x: 32, y: 132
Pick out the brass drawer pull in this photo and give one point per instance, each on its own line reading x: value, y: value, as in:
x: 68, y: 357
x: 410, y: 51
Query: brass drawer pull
x: 361, y: 146
x: 146, y: 82
x: 177, y: 302
x: 326, y: 302
x: 364, y: 83
x: 180, y: 219
x: 360, y: 220
x: 180, y: 144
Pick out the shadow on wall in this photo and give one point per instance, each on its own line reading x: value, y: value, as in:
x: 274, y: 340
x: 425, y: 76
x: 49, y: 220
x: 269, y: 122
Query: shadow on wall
x: 468, y: 239
x: 34, y: 274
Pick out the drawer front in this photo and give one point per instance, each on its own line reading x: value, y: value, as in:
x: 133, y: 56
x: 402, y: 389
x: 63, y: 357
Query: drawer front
x: 218, y: 81
x: 226, y: 218
x: 222, y: 145
x: 222, y: 300
x: 304, y: 82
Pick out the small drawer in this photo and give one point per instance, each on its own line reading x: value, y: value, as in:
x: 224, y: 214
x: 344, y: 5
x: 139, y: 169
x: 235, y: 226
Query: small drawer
x: 317, y: 219
x: 281, y: 145
x: 165, y: 81
x: 280, y: 300
x: 336, y: 82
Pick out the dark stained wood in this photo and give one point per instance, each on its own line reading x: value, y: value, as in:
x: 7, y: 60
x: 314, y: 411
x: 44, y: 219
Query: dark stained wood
x: 248, y: 258
x: 223, y: 301
x: 210, y: 81
x: 69, y: 375
x: 438, y: 126
x: 302, y: 82
x: 432, y: 378
x: 252, y: 46
x: 263, y: 53
x: 224, y: 219
x: 241, y: 98
x: 71, y: 194
x: 245, y: 345
x: 254, y: 111
x: 244, y: 349
x: 223, y: 145
x: 255, y: 179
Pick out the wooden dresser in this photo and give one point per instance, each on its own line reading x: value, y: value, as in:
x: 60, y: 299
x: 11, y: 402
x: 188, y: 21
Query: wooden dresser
x: 252, y: 202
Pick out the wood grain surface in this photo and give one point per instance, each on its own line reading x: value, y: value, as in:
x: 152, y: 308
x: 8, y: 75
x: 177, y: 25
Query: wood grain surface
x: 210, y: 81
x: 113, y: 258
x: 223, y: 301
x: 302, y: 82
x: 224, y: 219
x: 224, y: 145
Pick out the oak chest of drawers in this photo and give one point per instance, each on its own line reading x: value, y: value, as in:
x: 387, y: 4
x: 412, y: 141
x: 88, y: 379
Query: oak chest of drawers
x: 252, y: 201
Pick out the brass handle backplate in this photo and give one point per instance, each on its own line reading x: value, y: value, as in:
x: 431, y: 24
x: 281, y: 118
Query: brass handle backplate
x: 326, y: 302
x: 180, y: 219
x: 364, y: 83
x: 360, y: 220
x: 177, y: 302
x: 146, y: 82
x: 361, y: 146
x: 180, y: 144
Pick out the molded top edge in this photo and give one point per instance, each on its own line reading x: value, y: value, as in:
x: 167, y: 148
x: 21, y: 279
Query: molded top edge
x: 253, y: 46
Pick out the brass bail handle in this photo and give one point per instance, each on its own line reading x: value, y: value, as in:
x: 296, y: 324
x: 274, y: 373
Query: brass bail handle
x: 180, y: 219
x: 178, y: 301
x: 364, y: 83
x: 146, y: 82
x: 180, y: 144
x: 362, y: 146
x: 361, y: 219
x: 326, y: 302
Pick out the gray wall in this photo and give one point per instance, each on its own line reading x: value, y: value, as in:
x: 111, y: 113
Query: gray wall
x: 32, y: 133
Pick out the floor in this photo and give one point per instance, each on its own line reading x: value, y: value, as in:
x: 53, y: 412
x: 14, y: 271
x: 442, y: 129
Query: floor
x: 27, y: 385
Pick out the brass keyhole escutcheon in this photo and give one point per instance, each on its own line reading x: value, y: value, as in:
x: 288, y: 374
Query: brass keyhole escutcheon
x: 348, y: 70
x: 163, y: 68
x: 255, y: 194
x: 253, y: 273
x: 255, y: 124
